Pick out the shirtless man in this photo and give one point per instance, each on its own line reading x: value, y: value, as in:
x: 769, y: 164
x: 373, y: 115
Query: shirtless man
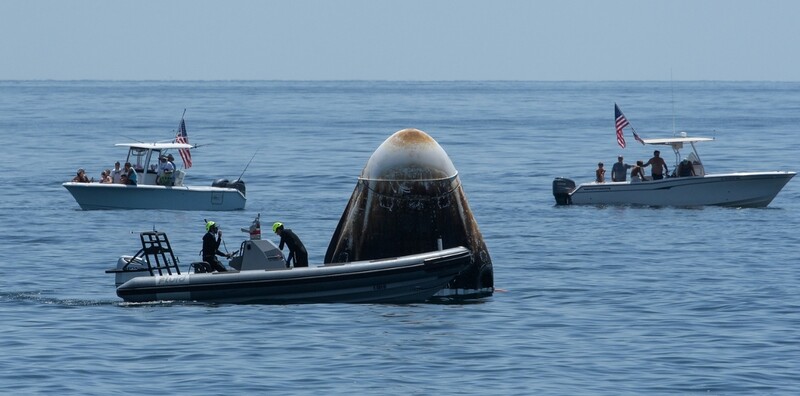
x: 659, y: 166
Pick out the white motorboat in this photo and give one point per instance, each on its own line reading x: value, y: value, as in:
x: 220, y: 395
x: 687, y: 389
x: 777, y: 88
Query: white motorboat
x: 155, y: 192
x: 259, y: 275
x: 739, y: 189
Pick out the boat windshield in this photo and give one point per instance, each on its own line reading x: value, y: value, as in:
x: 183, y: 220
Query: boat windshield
x: 137, y: 158
x: 692, y: 157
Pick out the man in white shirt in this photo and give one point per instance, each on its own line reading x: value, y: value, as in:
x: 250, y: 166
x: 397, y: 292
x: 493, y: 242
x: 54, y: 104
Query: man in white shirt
x: 164, y: 174
x: 116, y: 173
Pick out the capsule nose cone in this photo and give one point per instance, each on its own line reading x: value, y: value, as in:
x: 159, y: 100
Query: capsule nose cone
x: 409, y: 154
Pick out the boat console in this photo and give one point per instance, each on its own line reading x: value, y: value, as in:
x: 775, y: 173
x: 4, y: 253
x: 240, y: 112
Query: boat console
x: 258, y: 254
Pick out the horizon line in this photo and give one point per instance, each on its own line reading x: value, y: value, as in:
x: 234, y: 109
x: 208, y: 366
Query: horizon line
x: 369, y: 80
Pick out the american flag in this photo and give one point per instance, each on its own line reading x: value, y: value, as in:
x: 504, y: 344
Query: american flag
x: 182, y: 137
x: 622, y: 122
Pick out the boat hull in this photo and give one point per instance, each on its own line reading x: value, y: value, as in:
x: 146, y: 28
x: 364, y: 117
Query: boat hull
x: 407, y: 279
x: 97, y: 196
x: 752, y: 189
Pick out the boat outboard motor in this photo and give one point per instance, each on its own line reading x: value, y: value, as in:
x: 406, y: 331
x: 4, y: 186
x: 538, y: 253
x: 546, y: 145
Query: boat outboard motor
x: 221, y: 183
x: 239, y: 185
x: 562, y: 187
x: 129, y: 267
x: 225, y: 183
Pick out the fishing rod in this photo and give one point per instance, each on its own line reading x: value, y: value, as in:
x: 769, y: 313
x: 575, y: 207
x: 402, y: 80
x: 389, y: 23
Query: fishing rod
x: 248, y: 165
x: 136, y: 140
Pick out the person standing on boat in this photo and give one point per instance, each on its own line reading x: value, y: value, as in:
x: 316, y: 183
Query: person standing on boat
x: 130, y: 174
x: 619, y: 170
x: 297, y: 250
x: 211, y: 247
x: 116, y: 173
x: 659, y: 166
x: 600, y: 174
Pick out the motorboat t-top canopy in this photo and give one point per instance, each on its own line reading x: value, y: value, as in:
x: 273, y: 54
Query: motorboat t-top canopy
x: 677, y: 142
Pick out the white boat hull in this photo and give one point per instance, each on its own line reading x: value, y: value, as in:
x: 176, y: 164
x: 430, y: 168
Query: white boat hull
x: 750, y: 189
x: 94, y: 196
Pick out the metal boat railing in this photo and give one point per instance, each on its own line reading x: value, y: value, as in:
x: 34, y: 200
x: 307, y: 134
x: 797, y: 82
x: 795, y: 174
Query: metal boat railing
x: 157, y: 253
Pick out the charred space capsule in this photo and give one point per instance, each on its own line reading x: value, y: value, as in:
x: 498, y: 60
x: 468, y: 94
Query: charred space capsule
x: 409, y: 200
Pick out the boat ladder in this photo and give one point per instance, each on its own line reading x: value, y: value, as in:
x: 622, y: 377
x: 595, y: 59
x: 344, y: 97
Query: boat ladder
x: 157, y: 252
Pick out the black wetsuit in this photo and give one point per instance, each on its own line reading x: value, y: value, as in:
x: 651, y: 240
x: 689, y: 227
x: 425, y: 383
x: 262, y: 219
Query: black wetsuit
x: 296, y: 248
x: 211, y: 250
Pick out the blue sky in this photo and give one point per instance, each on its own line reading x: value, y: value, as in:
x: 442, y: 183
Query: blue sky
x: 400, y: 40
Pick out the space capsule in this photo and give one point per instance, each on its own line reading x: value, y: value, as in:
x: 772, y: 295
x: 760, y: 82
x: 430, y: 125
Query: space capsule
x: 409, y: 199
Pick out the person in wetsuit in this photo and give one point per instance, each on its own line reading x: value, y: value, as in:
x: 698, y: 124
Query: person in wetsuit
x: 211, y: 247
x: 296, y: 249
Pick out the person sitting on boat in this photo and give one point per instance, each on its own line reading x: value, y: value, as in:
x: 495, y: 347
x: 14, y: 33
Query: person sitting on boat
x: 105, y: 177
x: 211, y: 247
x: 659, y: 166
x: 637, y: 173
x: 600, y: 174
x: 130, y: 175
x: 297, y: 250
x: 685, y: 168
x: 116, y: 173
x: 164, y: 174
x: 81, y: 177
x: 619, y: 170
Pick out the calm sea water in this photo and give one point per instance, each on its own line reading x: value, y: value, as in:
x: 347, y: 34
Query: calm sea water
x: 592, y: 300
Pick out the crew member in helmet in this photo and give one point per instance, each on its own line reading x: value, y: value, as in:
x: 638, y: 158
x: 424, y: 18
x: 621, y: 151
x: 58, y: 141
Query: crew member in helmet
x: 296, y: 249
x: 211, y: 247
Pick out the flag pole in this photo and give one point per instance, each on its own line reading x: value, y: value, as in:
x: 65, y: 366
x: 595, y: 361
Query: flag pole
x: 185, y: 153
x: 182, y: 115
x: 179, y: 127
x: 636, y: 135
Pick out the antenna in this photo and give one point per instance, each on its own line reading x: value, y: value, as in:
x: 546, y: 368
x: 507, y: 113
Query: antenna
x: 672, y: 93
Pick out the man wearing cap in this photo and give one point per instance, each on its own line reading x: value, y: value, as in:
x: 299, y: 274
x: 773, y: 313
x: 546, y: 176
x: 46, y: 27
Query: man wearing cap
x: 116, y: 173
x: 164, y: 174
x: 619, y: 170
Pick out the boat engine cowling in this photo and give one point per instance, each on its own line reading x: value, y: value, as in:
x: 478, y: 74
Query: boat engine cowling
x: 129, y: 267
x: 225, y: 183
x: 562, y: 187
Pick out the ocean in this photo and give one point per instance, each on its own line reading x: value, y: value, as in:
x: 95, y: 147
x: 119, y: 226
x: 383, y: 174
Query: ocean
x: 590, y: 300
